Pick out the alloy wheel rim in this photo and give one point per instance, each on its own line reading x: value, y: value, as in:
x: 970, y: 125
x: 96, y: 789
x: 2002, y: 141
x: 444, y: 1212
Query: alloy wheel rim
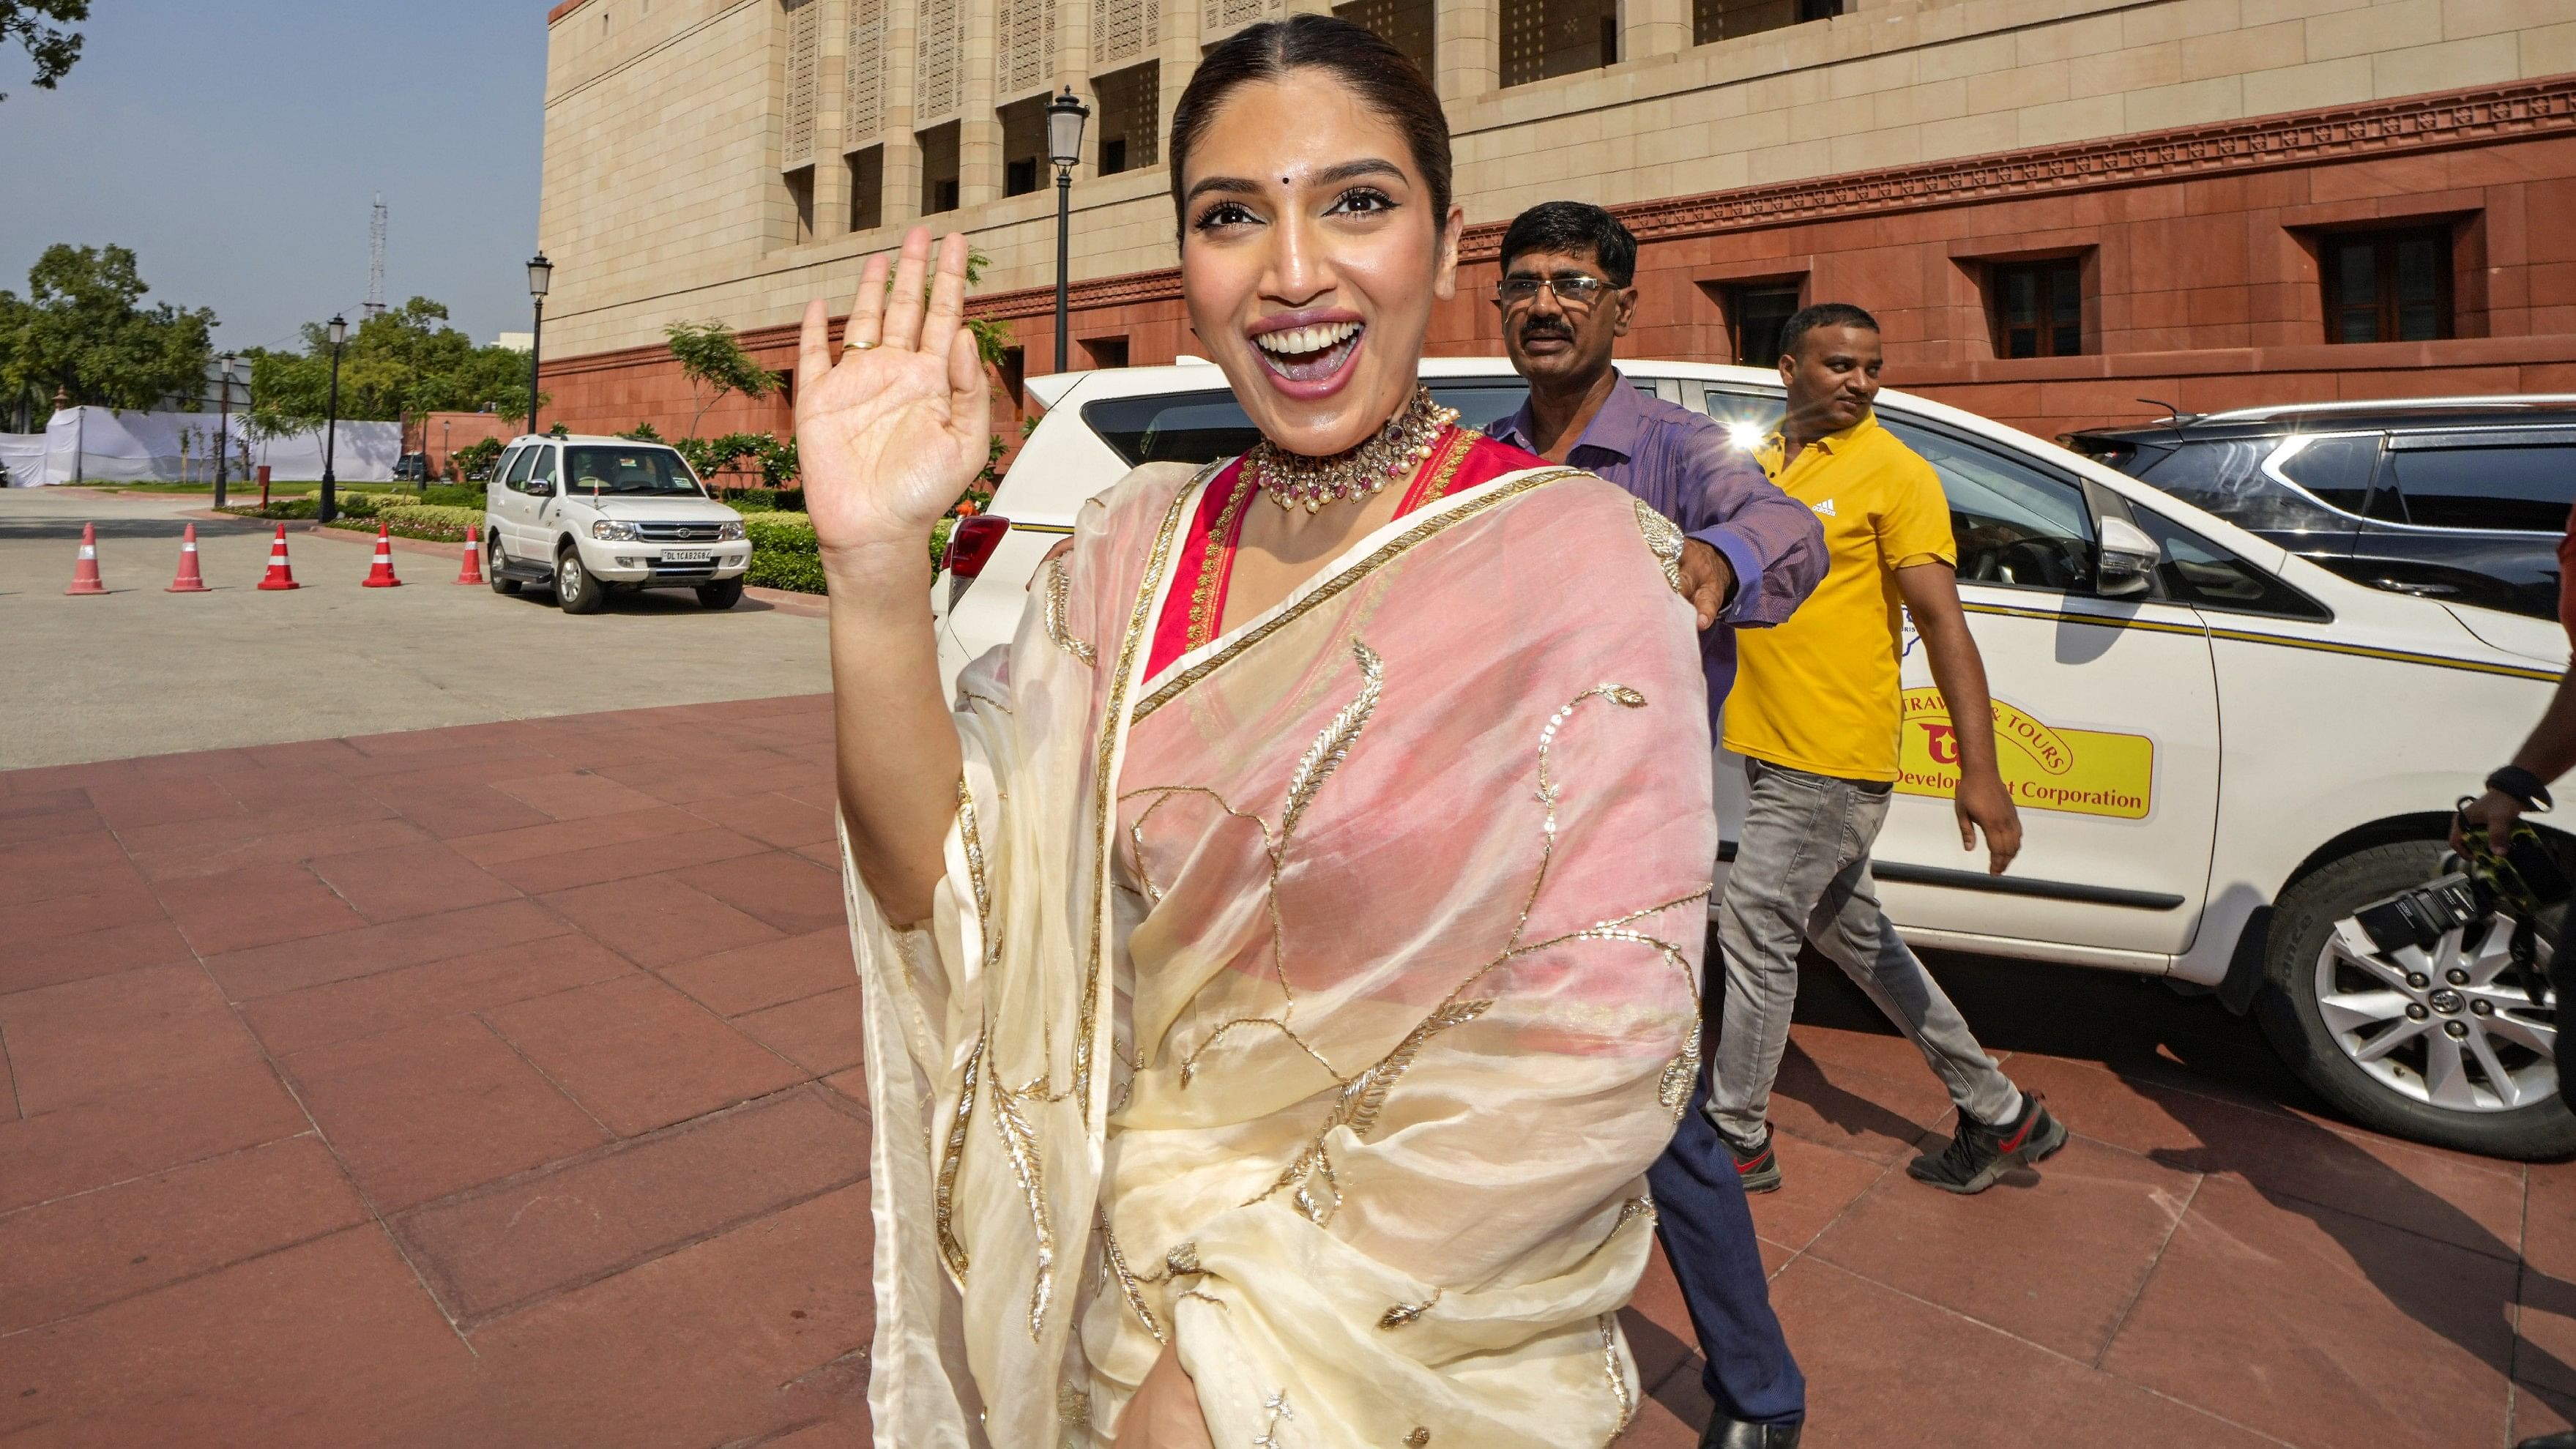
x: 571, y: 568
x: 2444, y: 1025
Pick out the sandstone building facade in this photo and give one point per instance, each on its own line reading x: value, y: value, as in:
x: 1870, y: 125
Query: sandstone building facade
x: 2055, y: 207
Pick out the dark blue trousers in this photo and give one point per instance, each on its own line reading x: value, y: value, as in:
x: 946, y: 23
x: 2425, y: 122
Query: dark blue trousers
x: 1707, y: 1233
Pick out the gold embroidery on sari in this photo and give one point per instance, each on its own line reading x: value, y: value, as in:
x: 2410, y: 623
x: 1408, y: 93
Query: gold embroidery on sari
x: 1357, y: 1107
x: 1333, y: 743
x: 1463, y: 441
x: 951, y: 1251
x: 1404, y: 1313
x: 1059, y: 593
x: 1618, y: 1379
x: 1277, y: 1404
x: 1360, y: 569
x: 1129, y: 1284
x: 1663, y: 540
x: 1020, y: 1144
x: 1203, y: 620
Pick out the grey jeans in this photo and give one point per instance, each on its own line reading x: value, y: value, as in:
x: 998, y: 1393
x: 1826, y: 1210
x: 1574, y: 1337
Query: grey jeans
x: 1802, y: 873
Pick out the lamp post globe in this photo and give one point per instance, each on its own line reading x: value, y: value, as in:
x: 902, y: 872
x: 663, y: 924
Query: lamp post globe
x: 1064, y: 117
x: 330, y: 509
x: 541, y: 278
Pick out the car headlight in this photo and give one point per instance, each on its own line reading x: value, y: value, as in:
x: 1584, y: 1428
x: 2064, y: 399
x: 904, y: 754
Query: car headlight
x: 612, y: 530
x: 729, y: 532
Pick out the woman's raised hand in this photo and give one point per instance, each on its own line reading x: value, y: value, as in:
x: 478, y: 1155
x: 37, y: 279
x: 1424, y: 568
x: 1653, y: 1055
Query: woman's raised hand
x: 889, y: 435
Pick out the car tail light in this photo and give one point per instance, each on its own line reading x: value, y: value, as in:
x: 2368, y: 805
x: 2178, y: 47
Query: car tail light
x: 971, y: 544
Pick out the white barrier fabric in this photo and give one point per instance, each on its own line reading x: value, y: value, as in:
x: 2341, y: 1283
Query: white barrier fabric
x: 102, y: 445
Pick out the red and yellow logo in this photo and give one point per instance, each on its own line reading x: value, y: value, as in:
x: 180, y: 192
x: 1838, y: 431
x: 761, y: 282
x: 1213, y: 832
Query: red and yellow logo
x: 2082, y: 772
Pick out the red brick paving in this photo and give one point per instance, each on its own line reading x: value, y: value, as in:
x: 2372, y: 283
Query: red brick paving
x: 497, y: 1086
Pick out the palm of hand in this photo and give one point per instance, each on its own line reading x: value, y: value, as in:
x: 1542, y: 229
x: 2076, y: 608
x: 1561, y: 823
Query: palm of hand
x: 885, y: 445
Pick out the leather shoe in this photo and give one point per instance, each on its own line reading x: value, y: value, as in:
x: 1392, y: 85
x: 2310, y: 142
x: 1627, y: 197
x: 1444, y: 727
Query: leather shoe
x: 1726, y: 1433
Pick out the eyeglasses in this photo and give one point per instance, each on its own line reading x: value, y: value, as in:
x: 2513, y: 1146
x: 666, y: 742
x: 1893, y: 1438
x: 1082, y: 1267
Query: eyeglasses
x: 1575, y: 294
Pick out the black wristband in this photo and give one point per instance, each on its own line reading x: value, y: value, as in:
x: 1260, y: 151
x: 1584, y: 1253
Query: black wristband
x: 2522, y: 785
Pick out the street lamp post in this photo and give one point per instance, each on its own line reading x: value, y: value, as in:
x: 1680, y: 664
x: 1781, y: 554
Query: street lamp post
x: 224, y: 428
x: 1065, y: 116
x: 541, y: 275
x: 446, y: 453
x: 331, y: 428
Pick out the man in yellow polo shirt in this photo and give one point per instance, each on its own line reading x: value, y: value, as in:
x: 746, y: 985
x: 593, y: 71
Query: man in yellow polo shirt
x: 1815, y: 713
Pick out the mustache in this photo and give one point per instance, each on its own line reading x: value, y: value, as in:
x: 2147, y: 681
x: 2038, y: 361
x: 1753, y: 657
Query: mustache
x: 1533, y: 330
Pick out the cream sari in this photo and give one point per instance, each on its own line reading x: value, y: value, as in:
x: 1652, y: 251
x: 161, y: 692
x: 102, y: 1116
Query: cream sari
x: 1314, y: 1005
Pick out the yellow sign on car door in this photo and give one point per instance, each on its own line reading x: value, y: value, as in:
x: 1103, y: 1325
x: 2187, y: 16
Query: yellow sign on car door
x: 2081, y: 772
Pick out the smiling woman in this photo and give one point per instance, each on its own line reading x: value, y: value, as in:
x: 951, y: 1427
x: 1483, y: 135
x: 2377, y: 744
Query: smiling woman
x: 1281, y: 962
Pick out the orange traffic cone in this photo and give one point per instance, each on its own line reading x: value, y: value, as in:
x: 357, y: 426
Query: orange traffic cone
x: 472, y: 573
x: 382, y: 575
x: 189, y: 580
x: 281, y: 575
x: 85, y: 578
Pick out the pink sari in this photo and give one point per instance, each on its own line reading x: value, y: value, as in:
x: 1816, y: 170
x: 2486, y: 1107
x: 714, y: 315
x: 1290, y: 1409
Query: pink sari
x: 1312, y: 1002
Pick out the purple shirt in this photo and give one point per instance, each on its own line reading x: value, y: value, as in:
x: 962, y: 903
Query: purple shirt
x: 1685, y: 467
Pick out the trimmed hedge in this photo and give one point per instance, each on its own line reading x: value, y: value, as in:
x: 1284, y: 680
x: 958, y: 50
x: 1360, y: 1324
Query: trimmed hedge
x: 783, y: 555
x: 431, y: 522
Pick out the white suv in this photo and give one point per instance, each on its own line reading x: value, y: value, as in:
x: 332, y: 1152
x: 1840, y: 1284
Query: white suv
x: 586, y: 515
x: 2222, y: 751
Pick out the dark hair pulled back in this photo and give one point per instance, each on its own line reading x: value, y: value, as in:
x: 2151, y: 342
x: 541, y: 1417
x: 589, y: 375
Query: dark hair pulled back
x: 1383, y: 77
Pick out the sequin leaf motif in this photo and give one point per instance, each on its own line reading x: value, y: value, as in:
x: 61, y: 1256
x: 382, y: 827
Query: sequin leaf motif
x: 951, y: 1251
x: 1020, y: 1144
x: 1333, y: 744
x: 1663, y: 539
x: 1317, y: 1194
x: 1277, y: 1404
x: 1404, y: 1313
x: 1059, y: 591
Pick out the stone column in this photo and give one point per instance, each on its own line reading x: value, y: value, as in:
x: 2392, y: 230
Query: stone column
x: 1467, y: 60
x: 1653, y: 27
x: 979, y: 130
x: 902, y: 152
x: 831, y: 86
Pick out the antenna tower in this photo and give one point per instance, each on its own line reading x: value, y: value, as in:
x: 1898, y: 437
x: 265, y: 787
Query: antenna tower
x: 375, y: 304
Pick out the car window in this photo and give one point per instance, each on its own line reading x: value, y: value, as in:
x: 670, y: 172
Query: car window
x: 630, y: 471
x: 517, y: 466
x: 2015, y: 524
x: 1201, y: 427
x: 2504, y: 481
x: 2336, y: 468
x: 541, y: 477
x: 2198, y: 572
x: 2229, y: 477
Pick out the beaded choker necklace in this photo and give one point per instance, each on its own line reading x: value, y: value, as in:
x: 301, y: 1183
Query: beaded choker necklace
x: 1394, y: 451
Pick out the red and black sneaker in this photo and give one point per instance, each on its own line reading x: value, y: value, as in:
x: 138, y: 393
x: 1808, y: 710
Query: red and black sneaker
x: 1980, y: 1154
x: 1760, y: 1168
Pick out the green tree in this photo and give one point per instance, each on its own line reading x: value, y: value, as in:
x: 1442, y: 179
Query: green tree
x: 82, y: 329
x: 51, y: 47
x: 713, y: 361
x: 402, y: 364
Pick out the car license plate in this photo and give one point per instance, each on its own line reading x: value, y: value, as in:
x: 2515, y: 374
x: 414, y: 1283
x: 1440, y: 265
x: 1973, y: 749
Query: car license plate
x: 684, y: 555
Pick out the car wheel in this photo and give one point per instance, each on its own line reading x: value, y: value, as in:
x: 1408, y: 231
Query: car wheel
x: 722, y: 594
x: 2438, y: 1045
x: 575, y: 590
x: 492, y: 565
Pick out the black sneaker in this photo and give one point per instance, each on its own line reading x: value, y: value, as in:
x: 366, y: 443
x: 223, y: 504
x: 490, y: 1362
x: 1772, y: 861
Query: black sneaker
x: 1979, y: 1154
x: 1760, y: 1168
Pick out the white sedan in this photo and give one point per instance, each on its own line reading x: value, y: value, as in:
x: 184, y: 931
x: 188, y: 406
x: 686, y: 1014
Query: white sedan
x: 2221, y: 751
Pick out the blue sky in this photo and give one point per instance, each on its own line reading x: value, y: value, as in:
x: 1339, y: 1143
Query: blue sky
x: 236, y: 146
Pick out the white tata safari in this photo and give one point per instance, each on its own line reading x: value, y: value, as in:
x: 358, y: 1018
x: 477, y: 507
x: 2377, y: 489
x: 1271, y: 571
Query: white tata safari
x: 2221, y: 751
x: 587, y: 515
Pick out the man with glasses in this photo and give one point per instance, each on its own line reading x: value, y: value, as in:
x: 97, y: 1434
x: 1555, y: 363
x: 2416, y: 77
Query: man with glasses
x: 1749, y: 556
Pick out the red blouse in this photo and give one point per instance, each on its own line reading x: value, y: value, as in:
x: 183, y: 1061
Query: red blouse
x: 1194, y: 610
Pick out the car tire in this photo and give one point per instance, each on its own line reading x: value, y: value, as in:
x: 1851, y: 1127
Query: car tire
x: 2396, y: 1093
x: 492, y: 565
x: 722, y: 594
x: 576, y: 591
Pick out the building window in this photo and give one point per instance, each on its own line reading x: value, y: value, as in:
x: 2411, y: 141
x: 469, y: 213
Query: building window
x: 800, y: 195
x: 2038, y: 307
x: 1104, y: 351
x: 1543, y: 38
x: 867, y: 189
x: 938, y: 169
x: 1024, y: 143
x: 1754, y: 314
x: 2387, y: 286
x: 1716, y: 20
x: 1404, y: 24
x: 1131, y: 102
x: 1015, y: 377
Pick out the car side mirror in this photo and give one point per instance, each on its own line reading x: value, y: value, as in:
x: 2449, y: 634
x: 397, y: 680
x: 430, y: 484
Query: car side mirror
x: 2129, y: 559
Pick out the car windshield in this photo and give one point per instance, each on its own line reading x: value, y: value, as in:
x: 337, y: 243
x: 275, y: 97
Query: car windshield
x: 592, y: 469
x: 1201, y: 427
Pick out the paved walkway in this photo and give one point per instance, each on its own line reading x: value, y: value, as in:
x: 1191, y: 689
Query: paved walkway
x: 143, y: 672
x: 496, y: 1086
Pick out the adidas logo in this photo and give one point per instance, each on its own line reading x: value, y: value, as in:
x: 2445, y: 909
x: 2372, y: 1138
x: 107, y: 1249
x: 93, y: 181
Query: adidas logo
x: 1825, y: 509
